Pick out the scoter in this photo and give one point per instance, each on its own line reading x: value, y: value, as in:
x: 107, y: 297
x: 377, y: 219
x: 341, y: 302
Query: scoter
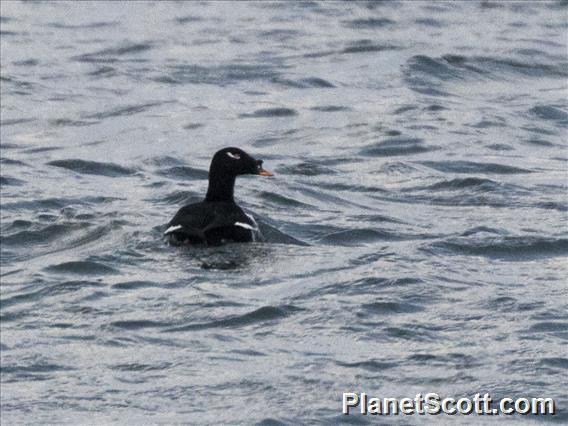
x: 218, y: 219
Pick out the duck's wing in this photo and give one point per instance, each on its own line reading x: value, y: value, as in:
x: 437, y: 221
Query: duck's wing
x: 189, y: 223
x: 231, y: 223
x: 229, y: 216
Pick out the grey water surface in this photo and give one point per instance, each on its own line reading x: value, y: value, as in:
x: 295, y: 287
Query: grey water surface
x: 420, y: 155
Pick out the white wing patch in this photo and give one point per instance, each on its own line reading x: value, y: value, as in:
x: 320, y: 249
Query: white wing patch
x: 234, y: 156
x: 172, y: 229
x: 245, y: 225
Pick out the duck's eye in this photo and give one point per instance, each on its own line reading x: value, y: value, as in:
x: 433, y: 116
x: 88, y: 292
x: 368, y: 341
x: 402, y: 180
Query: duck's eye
x: 234, y: 156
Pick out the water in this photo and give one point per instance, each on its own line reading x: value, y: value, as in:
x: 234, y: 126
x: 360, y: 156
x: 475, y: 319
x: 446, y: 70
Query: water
x: 420, y: 152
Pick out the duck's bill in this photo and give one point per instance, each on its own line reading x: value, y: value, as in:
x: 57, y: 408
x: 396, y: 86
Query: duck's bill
x: 264, y: 172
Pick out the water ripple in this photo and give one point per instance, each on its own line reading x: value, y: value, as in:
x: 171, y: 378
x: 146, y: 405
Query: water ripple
x: 460, y: 166
x: 110, y: 55
x: 512, y: 248
x: 259, y: 316
x: 93, y: 167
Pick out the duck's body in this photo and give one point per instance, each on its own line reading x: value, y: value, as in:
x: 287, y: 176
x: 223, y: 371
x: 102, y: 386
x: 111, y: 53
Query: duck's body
x: 212, y: 222
x: 218, y: 218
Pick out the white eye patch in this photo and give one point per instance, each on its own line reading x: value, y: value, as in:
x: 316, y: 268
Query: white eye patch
x: 234, y: 156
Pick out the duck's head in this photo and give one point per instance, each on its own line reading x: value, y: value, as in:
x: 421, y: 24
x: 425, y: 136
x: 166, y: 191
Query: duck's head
x: 234, y: 161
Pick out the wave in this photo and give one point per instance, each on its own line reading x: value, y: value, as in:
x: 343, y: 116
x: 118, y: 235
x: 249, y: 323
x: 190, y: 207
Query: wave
x: 37, y: 293
x: 473, y: 183
x: 9, y: 162
x: 93, y: 167
x: 87, y: 26
x: 550, y: 112
x: 356, y: 47
x: 125, y: 110
x: 188, y: 19
x: 261, y: 315
x: 469, y: 182
x: 282, y: 200
x: 539, y: 142
x: 24, y: 240
x: 164, y: 160
x: 137, y: 324
x: 103, y: 71
x: 369, y: 365
x: 459, y: 166
x: 388, y: 308
x: 305, y: 83
x: 552, y: 205
x: 41, y: 236
x: 330, y: 108
x: 178, y: 197
x: 433, y: 75
x: 62, y: 122
x: 271, y: 112
x: 10, y: 181
x: 355, y: 237
x: 367, y: 46
x: 397, y: 146
x: 111, y: 54
x: 184, y: 173
x: 450, y: 67
x: 82, y: 267
x: 26, y: 63
x: 30, y: 370
x: 369, y: 23
x: 14, y: 121
x: 511, y: 248
x: 56, y: 203
x: 483, y: 229
x: 306, y: 168
x: 221, y: 75
x: 136, y: 285
x: 273, y: 235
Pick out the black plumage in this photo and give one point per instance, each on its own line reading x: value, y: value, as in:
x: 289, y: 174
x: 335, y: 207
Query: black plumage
x: 218, y: 219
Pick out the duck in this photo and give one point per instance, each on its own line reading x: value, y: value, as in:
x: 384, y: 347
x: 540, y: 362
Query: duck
x: 218, y: 219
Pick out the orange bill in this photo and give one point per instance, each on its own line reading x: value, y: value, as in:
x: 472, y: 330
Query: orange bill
x: 263, y: 172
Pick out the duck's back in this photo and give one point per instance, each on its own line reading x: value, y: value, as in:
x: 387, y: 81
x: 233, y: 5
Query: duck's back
x: 211, y: 222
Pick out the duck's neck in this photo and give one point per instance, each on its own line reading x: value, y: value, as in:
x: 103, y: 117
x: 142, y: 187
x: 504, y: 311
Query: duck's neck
x: 221, y: 187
